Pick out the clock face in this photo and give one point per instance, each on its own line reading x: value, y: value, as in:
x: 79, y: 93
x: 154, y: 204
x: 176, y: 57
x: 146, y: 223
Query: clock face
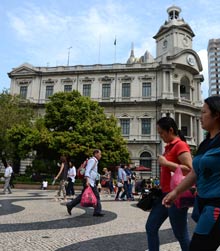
x: 190, y: 60
x: 165, y: 44
x: 185, y: 41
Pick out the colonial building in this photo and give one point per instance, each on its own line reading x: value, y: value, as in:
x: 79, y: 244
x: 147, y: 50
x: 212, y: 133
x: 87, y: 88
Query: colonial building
x: 137, y: 92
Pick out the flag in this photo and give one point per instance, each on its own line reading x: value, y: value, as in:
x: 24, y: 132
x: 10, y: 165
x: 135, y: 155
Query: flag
x: 115, y: 42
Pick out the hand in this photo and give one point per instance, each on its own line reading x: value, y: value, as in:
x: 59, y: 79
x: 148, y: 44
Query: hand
x: 162, y: 160
x: 169, y: 199
x: 87, y: 182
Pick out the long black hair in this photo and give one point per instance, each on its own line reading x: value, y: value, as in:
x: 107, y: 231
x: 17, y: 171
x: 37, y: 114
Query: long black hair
x: 213, y: 103
x: 166, y: 123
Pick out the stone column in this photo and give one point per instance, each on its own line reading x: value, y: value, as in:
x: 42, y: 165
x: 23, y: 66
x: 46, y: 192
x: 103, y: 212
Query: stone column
x: 179, y: 121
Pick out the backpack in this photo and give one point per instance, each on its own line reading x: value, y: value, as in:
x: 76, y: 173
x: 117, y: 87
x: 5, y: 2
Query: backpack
x: 81, y: 170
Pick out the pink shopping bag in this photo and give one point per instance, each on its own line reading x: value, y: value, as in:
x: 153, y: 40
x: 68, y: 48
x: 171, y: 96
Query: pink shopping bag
x: 187, y: 198
x: 88, y: 198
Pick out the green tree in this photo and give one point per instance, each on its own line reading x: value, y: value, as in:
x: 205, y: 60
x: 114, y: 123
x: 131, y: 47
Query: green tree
x: 14, y: 111
x: 73, y: 125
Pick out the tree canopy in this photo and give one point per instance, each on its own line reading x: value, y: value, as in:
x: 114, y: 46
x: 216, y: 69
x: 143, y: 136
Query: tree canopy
x: 73, y: 125
x: 14, y: 112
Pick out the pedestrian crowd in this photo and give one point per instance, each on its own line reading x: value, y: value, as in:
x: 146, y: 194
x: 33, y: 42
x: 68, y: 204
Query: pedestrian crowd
x: 201, y: 171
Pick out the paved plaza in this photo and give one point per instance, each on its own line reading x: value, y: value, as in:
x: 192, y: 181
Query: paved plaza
x: 33, y: 220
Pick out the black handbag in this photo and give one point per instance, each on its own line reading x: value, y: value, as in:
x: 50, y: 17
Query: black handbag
x: 148, y: 198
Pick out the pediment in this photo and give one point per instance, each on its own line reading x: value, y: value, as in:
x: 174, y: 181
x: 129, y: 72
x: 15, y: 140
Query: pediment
x: 25, y: 69
x: 125, y: 116
x: 145, y: 116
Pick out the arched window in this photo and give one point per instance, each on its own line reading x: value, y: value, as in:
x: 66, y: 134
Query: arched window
x: 146, y: 159
x: 185, y: 87
x: 182, y: 89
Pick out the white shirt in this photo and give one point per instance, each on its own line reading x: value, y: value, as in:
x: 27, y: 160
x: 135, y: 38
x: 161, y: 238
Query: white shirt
x: 45, y: 184
x: 8, y: 171
x: 72, y: 173
x: 92, y: 170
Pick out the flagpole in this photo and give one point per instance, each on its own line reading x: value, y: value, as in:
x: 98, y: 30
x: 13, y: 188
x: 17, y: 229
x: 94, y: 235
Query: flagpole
x: 115, y: 43
x: 99, y: 49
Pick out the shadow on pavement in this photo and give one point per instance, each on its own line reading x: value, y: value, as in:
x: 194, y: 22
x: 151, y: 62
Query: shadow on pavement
x: 123, y: 242
x: 83, y: 220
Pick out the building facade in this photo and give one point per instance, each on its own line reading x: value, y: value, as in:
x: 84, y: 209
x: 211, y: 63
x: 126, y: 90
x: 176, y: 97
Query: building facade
x: 137, y: 93
x: 214, y: 66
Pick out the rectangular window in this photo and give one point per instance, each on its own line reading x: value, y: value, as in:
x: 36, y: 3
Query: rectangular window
x: 125, y: 126
x: 49, y: 91
x: 146, y: 126
x: 211, y: 53
x: 23, y: 91
x: 106, y: 90
x: 146, y: 89
x: 126, y: 90
x: 184, y: 130
x: 87, y: 90
x: 67, y: 88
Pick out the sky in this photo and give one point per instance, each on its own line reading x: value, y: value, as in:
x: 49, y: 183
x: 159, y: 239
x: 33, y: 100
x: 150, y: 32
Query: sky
x: 58, y: 32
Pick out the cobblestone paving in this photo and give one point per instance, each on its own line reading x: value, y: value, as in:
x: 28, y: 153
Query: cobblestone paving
x: 31, y: 220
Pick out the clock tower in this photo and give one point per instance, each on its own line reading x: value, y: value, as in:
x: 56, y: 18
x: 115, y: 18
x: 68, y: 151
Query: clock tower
x: 174, y: 36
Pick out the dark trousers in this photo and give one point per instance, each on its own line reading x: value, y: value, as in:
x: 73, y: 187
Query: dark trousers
x: 70, y: 188
x: 209, y: 242
x: 125, y: 191
x: 77, y: 200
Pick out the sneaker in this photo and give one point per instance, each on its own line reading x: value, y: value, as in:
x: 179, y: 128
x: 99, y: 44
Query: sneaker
x: 68, y: 209
x: 98, y: 214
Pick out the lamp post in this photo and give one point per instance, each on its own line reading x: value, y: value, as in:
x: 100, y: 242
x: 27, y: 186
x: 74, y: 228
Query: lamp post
x: 68, y: 58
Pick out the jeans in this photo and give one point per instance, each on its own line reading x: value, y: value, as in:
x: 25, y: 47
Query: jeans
x: 178, y: 221
x: 125, y: 191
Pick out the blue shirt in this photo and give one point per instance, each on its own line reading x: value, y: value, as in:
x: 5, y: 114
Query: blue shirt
x: 122, y: 176
x: 207, y: 169
x: 206, y: 165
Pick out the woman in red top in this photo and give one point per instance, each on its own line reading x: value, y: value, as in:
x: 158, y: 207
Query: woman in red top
x: 177, y: 153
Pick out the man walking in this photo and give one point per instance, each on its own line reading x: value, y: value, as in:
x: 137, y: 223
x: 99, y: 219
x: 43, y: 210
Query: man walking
x: 91, y: 174
x: 7, y: 175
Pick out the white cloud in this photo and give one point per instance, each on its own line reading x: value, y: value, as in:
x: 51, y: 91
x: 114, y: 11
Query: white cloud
x: 204, y: 60
x: 42, y: 31
x: 48, y: 33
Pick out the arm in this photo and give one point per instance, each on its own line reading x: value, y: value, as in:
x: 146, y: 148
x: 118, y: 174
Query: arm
x: 183, y: 186
x: 184, y: 158
x: 11, y: 170
x: 90, y: 166
x: 74, y: 171
x: 61, y: 169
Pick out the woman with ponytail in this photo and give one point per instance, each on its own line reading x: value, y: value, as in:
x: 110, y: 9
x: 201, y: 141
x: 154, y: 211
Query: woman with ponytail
x: 176, y: 154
